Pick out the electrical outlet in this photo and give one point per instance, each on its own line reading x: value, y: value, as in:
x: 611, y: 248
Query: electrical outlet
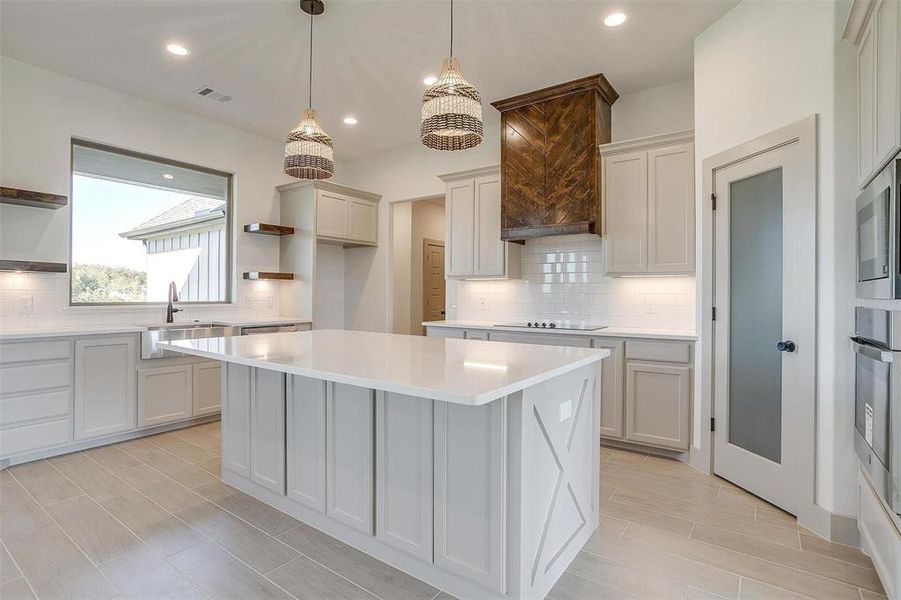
x: 483, y: 303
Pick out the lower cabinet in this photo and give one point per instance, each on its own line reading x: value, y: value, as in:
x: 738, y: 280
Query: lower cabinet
x: 306, y: 441
x: 611, y: 389
x: 207, y: 393
x: 165, y: 394
x: 349, y: 431
x: 658, y: 404
x: 104, y: 386
x: 237, y: 386
x: 548, y: 339
x: 267, y: 430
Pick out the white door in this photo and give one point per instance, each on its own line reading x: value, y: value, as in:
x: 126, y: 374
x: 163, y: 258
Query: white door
x: 764, y: 332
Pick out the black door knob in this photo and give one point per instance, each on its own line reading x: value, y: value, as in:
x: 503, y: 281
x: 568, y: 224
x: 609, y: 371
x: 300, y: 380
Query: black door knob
x: 786, y: 346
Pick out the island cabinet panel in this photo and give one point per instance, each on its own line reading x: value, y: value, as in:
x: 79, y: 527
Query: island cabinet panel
x: 470, y: 442
x: 237, y: 385
x: 104, y: 386
x: 611, y: 388
x: 306, y: 441
x: 404, y: 473
x: 349, y: 432
x: 267, y: 430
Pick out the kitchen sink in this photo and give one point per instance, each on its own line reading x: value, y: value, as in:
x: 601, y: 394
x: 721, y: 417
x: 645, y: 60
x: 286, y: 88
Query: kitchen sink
x: 180, y: 331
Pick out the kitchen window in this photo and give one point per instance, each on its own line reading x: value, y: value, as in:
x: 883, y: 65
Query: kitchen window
x: 139, y: 222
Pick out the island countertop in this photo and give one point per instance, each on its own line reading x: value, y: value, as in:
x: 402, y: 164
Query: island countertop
x: 468, y: 372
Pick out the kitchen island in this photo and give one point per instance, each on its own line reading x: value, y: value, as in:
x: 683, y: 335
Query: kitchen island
x: 470, y: 465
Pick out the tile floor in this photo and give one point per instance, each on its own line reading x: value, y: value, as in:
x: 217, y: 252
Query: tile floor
x: 149, y: 519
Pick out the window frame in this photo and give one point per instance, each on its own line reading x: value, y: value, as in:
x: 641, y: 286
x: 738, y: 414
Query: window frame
x: 229, y: 222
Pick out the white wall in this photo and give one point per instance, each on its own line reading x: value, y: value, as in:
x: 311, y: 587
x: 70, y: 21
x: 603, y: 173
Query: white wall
x: 328, y: 291
x: 657, y: 110
x: 39, y: 114
x: 763, y: 65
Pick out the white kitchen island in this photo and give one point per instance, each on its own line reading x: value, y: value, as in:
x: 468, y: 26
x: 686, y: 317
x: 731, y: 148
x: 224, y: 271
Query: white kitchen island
x: 471, y: 465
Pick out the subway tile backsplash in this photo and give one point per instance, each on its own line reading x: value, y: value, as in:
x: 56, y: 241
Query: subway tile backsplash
x: 563, y: 278
x: 42, y: 299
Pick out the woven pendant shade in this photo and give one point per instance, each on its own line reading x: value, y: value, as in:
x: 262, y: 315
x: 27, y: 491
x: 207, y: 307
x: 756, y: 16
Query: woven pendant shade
x: 451, y: 111
x: 308, y: 152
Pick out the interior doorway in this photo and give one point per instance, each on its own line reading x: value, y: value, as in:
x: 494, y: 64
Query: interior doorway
x: 433, y: 284
x: 763, y: 196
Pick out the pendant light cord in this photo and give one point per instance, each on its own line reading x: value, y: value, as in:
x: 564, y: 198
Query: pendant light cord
x: 311, y: 60
x: 452, y: 29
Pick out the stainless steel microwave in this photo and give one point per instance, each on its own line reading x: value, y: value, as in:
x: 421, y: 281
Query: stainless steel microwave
x: 878, y: 236
x: 877, y: 400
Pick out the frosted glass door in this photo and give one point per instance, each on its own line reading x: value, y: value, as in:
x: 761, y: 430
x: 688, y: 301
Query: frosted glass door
x: 755, y: 315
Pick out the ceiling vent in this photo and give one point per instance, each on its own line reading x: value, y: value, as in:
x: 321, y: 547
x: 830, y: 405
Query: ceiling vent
x: 211, y: 94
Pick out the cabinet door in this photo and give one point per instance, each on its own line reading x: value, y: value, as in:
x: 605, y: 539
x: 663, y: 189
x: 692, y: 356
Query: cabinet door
x: 611, y: 389
x: 404, y: 473
x: 887, y: 128
x: 489, y: 249
x: 671, y: 209
x: 207, y: 380
x: 866, y: 104
x: 445, y: 332
x: 164, y: 394
x: 459, y: 214
x: 469, y: 491
x: 547, y: 339
x: 237, y: 381
x: 306, y: 441
x: 267, y: 430
x: 658, y: 404
x: 626, y: 209
x: 350, y: 455
x: 332, y: 212
x: 104, y: 386
x: 364, y: 221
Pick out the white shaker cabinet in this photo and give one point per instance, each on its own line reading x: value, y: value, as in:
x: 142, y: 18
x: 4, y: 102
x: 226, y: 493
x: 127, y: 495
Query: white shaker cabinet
x: 346, y: 216
x: 165, y: 394
x: 349, y: 431
x: 611, y: 388
x: 104, y: 385
x: 207, y: 384
x: 306, y: 460
x: 237, y: 385
x: 472, y: 209
x: 267, y: 430
x: 649, y: 205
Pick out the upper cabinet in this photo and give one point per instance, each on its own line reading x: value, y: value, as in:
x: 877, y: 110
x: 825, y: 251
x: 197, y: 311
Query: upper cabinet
x: 648, y: 199
x: 876, y: 29
x: 550, y: 172
x: 473, y: 242
x: 348, y: 217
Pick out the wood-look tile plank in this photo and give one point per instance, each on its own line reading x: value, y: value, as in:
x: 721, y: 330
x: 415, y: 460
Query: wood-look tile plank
x: 17, y: 589
x: 181, y: 448
x: 56, y: 568
x: 157, y: 527
x: 307, y: 580
x: 137, y: 448
x: 696, y: 509
x: 377, y: 577
x: 774, y: 516
x: 19, y: 513
x: 258, y: 514
x: 5, y: 477
x: 212, y: 466
x: 199, y: 438
x: 247, y: 543
x: 8, y: 569
x: 112, y: 458
x: 59, y: 460
x: 44, y: 482
x: 868, y: 595
x: 223, y: 577
x: 166, y: 492
x: 637, y: 514
x: 625, y: 578
x: 181, y: 471
x: 807, y: 561
x: 817, y: 545
x: 611, y: 525
x: 98, y: 534
x: 575, y: 587
x: 144, y: 575
x: 742, y: 564
x: 757, y: 590
x: 97, y: 482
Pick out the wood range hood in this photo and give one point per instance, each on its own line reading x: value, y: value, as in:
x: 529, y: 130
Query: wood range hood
x: 550, y: 163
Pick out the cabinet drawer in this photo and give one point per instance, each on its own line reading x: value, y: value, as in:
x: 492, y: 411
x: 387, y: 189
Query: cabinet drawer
x: 476, y: 334
x: 546, y: 339
x: 31, y: 378
x: 32, y: 351
x: 677, y: 352
x: 15, y: 409
x: 27, y: 438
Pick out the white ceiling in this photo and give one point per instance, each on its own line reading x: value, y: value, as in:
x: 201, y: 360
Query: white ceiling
x: 371, y: 55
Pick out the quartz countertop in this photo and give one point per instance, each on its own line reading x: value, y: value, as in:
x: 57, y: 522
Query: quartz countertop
x: 72, y: 330
x: 609, y: 331
x: 467, y: 372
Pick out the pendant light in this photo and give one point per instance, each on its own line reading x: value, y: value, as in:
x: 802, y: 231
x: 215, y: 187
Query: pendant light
x: 451, y: 107
x: 309, y: 153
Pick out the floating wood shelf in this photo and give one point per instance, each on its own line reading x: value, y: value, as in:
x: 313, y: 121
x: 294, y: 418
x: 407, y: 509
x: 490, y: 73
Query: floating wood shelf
x: 29, y: 198
x: 31, y: 266
x: 264, y: 275
x: 268, y: 229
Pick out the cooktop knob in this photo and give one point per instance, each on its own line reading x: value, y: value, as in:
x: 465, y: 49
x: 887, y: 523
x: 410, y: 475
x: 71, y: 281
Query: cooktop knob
x: 553, y: 325
x: 544, y: 324
x: 529, y: 324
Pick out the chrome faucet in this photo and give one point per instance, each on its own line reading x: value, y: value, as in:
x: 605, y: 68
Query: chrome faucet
x: 173, y: 297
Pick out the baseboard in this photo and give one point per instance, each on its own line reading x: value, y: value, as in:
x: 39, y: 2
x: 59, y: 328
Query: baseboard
x: 675, y: 454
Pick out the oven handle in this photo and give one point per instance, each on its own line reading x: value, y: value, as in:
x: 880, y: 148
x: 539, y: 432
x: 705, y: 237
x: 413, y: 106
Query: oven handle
x: 884, y: 356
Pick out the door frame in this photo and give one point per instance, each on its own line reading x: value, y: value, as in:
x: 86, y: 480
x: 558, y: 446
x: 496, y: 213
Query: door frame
x: 803, y: 132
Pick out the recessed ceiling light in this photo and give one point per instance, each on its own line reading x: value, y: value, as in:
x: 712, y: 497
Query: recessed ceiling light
x: 431, y: 79
x: 350, y: 120
x: 614, y: 19
x: 168, y: 176
x: 177, y: 50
